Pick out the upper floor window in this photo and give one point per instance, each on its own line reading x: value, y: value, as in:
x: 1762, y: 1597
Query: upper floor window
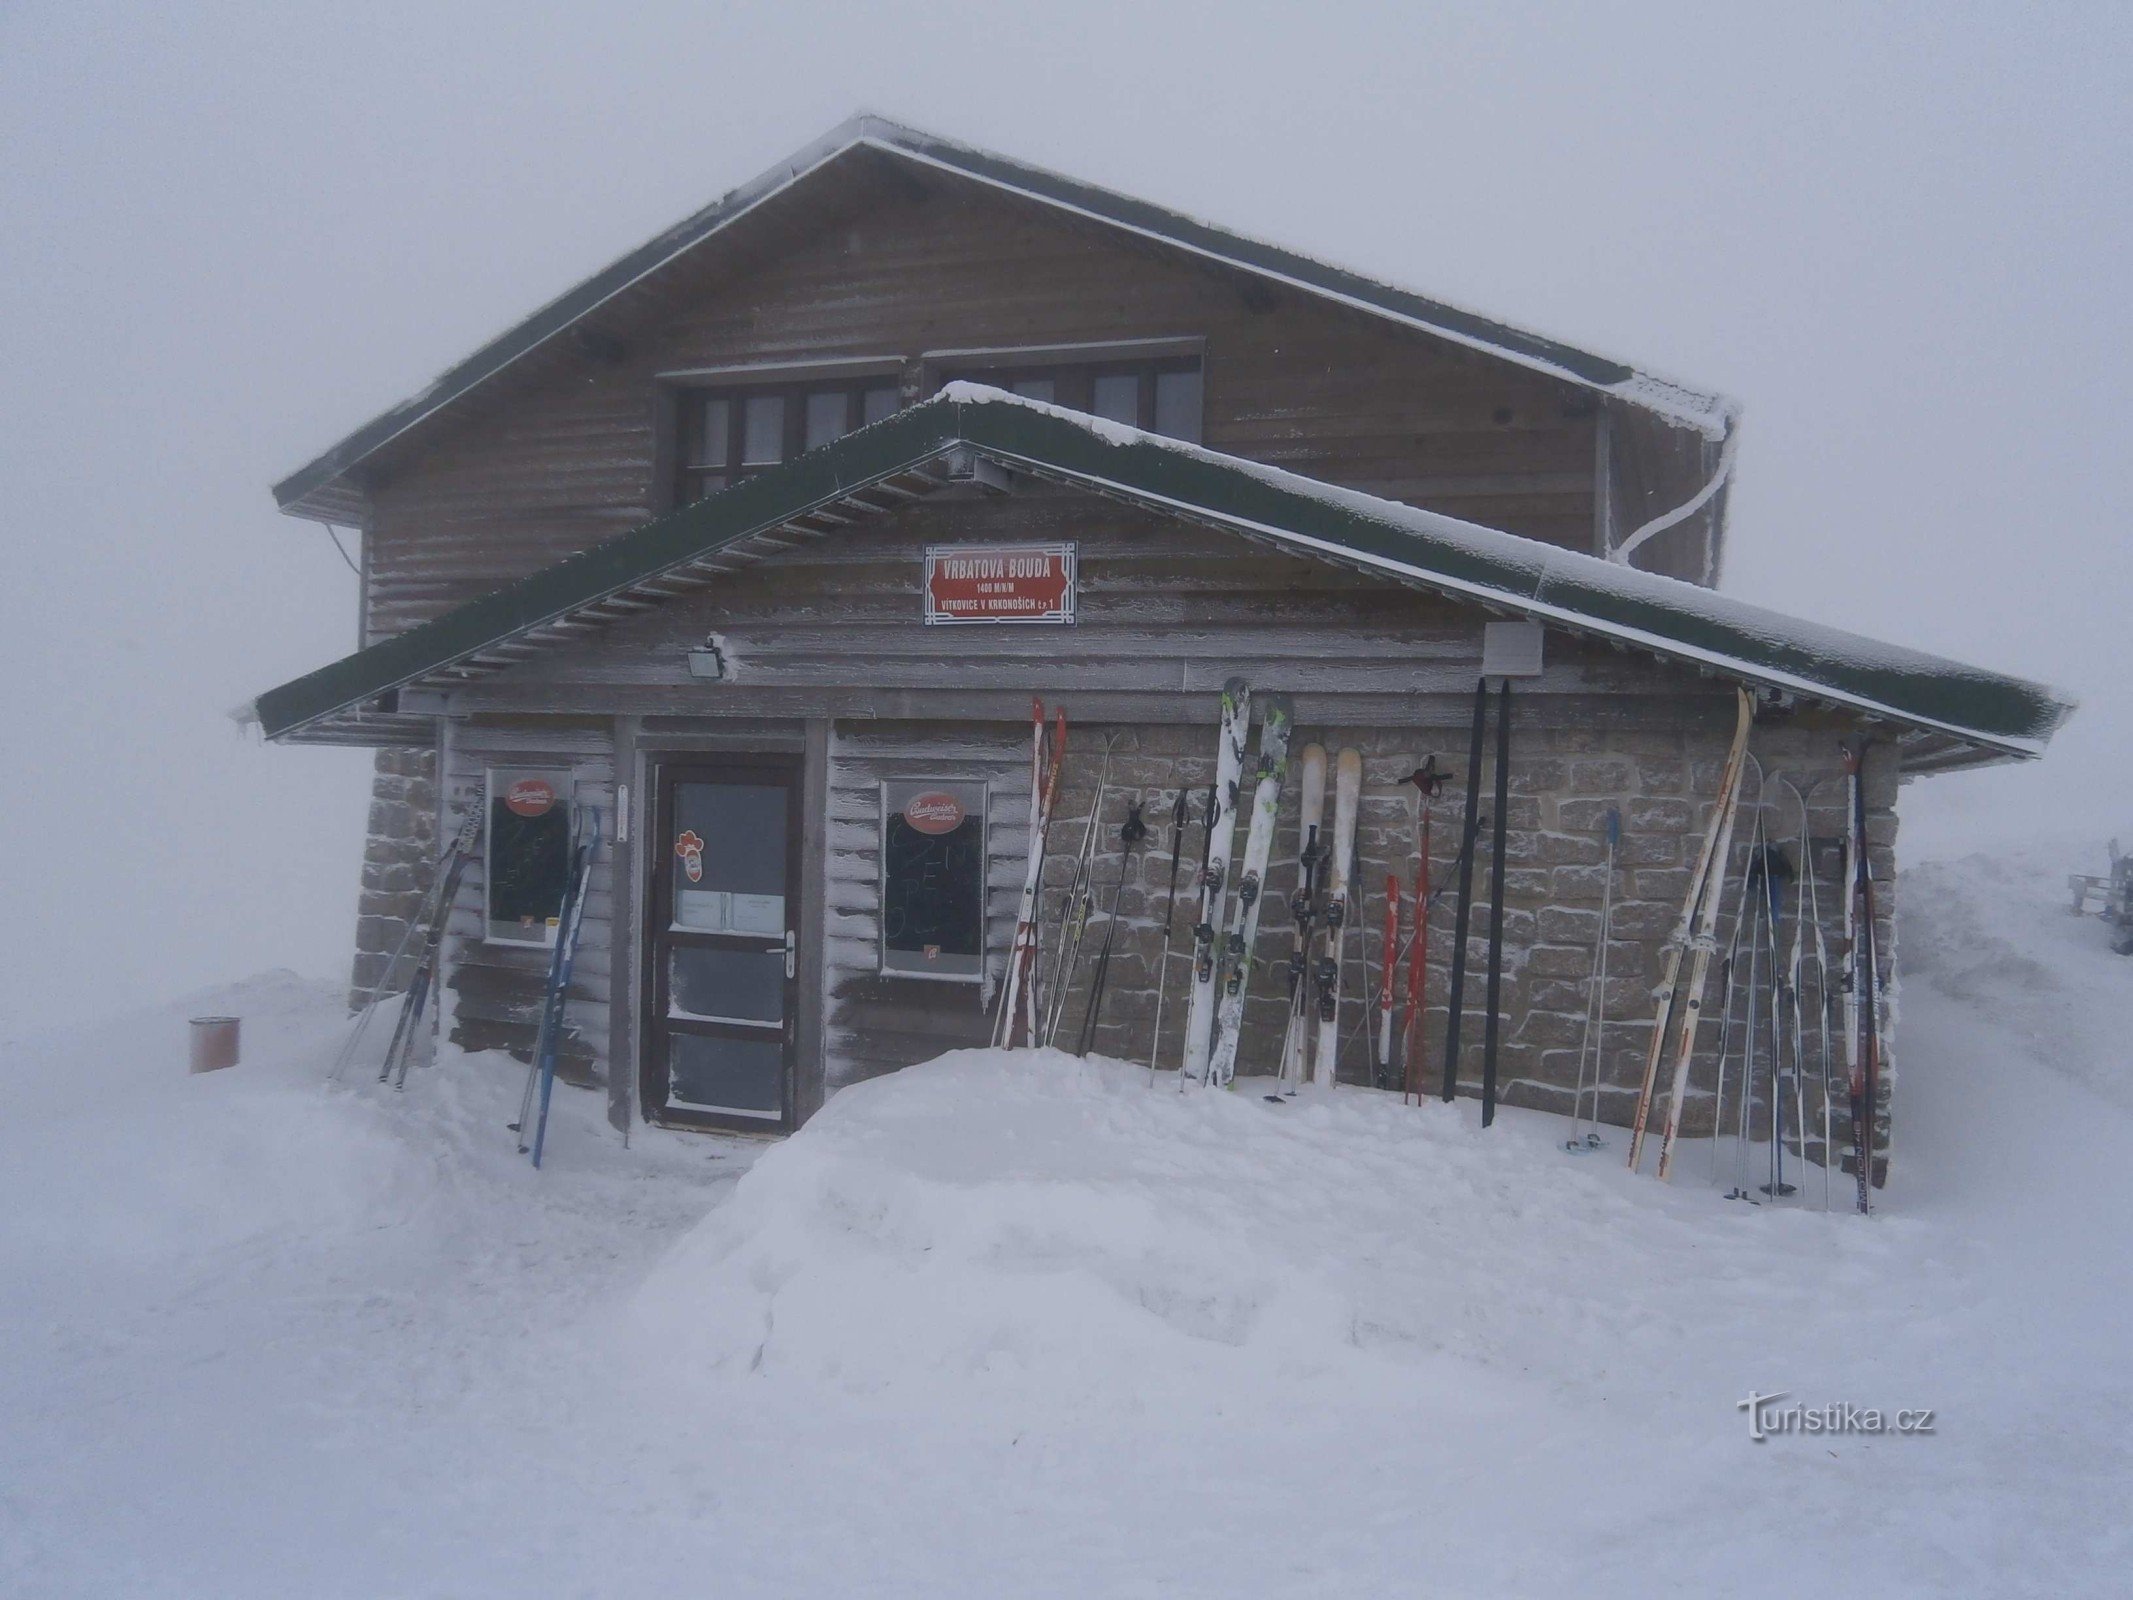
x: 731, y: 426
x: 728, y: 434
x: 1161, y: 395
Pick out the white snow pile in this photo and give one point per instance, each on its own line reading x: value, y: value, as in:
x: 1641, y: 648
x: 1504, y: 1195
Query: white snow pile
x: 1027, y: 1325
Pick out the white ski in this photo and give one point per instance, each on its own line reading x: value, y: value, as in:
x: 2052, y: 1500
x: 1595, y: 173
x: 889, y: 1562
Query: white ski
x: 1214, y: 875
x: 1236, y: 961
x: 1018, y: 986
x: 1347, y: 794
x: 1303, y: 906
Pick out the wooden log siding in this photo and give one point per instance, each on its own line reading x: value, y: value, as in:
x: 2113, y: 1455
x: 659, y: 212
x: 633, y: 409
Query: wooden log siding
x: 495, y: 989
x: 1564, y: 777
x: 566, y: 456
x: 875, y: 1024
x: 1163, y: 609
x: 1166, y: 612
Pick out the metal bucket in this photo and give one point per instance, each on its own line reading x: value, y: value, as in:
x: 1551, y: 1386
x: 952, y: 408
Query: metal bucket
x: 214, y: 1043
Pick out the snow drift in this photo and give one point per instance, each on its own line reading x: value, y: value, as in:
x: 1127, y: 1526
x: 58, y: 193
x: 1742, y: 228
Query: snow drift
x: 1026, y: 1325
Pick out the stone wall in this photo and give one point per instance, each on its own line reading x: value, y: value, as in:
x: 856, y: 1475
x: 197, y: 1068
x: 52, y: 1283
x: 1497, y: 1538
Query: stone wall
x: 399, y: 858
x: 1563, y: 780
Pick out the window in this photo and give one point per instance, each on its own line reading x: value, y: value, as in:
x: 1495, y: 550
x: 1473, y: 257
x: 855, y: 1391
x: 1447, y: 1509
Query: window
x: 1159, y: 395
x: 733, y: 433
x: 528, y: 854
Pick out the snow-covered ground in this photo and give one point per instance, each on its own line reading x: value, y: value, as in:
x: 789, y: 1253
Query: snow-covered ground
x: 1029, y: 1327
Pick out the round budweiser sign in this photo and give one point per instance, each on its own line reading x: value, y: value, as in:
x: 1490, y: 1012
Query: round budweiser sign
x: 934, y: 812
x: 530, y: 797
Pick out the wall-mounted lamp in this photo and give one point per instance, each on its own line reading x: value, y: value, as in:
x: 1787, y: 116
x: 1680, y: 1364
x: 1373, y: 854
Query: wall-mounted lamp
x: 707, y: 662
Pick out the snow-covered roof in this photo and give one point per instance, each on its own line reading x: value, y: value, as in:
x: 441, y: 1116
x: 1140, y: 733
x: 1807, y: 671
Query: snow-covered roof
x: 1963, y: 714
x: 315, y: 490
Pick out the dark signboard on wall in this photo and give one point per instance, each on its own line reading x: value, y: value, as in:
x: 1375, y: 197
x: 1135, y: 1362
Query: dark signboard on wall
x: 933, y: 879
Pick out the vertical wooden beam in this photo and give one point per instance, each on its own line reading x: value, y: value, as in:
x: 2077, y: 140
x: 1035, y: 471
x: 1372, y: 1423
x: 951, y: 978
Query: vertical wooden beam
x: 810, y: 1087
x: 623, y: 986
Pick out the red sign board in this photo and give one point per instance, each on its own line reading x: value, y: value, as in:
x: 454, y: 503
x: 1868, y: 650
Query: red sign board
x: 530, y: 797
x: 1000, y: 583
x: 935, y: 812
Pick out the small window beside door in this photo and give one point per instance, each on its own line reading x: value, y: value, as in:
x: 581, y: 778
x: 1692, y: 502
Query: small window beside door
x: 527, y: 867
x: 933, y: 879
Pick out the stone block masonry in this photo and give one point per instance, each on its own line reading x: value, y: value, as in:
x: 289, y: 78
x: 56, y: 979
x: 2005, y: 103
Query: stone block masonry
x: 1564, y: 778
x: 399, y: 864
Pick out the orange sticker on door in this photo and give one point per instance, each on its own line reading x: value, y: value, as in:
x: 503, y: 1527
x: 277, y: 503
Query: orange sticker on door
x: 691, y: 850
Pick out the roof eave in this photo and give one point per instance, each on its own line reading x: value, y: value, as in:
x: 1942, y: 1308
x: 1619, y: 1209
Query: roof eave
x: 305, y: 492
x: 1573, y: 592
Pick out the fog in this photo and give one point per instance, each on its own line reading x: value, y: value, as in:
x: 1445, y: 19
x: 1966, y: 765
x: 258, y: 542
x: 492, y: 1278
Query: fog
x: 233, y: 234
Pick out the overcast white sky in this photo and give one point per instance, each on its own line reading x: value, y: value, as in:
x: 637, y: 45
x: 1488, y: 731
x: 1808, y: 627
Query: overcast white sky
x: 1898, y: 235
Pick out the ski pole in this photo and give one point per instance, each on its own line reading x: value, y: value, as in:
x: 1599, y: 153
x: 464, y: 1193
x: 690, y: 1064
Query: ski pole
x: 1074, y: 911
x: 1456, y: 1001
x: 1178, y: 816
x: 1427, y: 781
x: 1130, y: 835
x: 1595, y: 1035
x: 1493, y: 1019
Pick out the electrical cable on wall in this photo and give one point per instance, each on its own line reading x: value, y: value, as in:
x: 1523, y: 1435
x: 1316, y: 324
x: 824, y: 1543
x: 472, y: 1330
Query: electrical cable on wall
x: 1689, y: 507
x: 334, y: 534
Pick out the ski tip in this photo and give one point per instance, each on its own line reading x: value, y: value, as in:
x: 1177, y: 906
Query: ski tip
x: 1235, y: 689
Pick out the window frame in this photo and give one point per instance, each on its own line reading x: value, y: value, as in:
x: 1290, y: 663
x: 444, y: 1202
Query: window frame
x: 693, y: 393
x: 563, y: 780
x: 1073, y: 376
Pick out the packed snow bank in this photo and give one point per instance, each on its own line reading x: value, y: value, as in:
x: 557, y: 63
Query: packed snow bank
x: 1045, y: 1220
x: 1996, y: 934
x: 1029, y: 1326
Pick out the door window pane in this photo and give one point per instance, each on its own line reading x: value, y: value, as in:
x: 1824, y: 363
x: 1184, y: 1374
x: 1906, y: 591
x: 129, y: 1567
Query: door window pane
x: 728, y: 857
x: 705, y: 1073
x: 763, y: 430
x: 1034, y: 389
x: 1177, y: 405
x: 726, y: 985
x: 880, y: 404
x: 713, y: 434
x: 825, y: 417
x: 1118, y: 397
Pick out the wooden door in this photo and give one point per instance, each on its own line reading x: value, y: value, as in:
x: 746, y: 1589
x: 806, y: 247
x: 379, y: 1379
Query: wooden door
x: 721, y: 943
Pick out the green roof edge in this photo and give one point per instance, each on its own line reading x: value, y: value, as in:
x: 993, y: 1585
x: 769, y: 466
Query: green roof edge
x: 1677, y: 619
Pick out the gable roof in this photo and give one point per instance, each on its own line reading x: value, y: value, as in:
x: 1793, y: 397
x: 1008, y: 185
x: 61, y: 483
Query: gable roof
x: 1951, y: 714
x: 311, y: 489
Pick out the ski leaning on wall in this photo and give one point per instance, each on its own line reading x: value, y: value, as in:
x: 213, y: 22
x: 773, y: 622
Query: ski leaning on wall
x: 555, y: 999
x: 427, y: 926
x: 1238, y: 950
x: 1214, y: 879
x: 1347, y: 796
x: 1303, y: 907
x: 1179, y: 812
x: 1699, y: 914
x: 1074, y: 911
x: 1018, y: 998
x: 1865, y: 982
